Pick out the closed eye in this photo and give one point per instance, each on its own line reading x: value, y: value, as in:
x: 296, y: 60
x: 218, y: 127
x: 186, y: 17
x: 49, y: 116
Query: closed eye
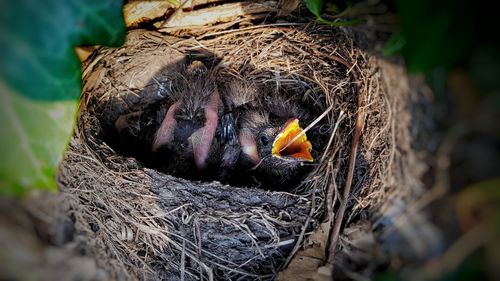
x: 264, y: 140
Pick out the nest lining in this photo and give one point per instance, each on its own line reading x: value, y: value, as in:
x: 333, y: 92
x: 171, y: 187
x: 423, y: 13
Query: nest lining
x: 145, y: 224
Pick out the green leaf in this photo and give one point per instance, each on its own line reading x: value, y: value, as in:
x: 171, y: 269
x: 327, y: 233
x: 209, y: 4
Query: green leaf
x: 33, y: 135
x: 394, y: 45
x: 436, y: 33
x: 315, y: 6
x: 340, y: 22
x: 40, y: 80
x: 37, y: 39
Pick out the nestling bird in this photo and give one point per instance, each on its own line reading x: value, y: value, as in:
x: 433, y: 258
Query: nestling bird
x: 187, y: 132
x: 177, y: 134
x: 236, y: 95
x: 244, y: 132
x: 265, y: 123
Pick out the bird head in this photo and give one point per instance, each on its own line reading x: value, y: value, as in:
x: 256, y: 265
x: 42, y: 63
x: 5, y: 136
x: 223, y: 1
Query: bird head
x: 190, y: 123
x: 273, y: 144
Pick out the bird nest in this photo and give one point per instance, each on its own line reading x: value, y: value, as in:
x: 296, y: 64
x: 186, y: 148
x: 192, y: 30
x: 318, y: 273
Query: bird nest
x: 144, y: 223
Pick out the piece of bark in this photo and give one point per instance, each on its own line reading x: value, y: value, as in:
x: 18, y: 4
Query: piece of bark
x: 217, y: 14
x: 137, y: 12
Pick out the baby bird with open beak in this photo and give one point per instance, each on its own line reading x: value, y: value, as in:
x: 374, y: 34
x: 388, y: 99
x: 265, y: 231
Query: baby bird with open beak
x: 272, y: 149
x: 187, y: 132
x: 267, y: 139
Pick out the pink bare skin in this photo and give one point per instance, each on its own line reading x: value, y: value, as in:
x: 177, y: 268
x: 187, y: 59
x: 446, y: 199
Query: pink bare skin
x: 202, y: 138
x: 166, y: 131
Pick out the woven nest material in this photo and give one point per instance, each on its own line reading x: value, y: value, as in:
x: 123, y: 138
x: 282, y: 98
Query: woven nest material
x: 144, y: 224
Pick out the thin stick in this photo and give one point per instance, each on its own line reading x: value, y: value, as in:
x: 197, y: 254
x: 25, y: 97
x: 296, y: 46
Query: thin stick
x: 308, y: 127
x: 335, y: 232
x: 337, y: 123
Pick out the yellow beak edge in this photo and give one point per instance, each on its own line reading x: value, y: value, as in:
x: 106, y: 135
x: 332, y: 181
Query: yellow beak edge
x: 299, y: 150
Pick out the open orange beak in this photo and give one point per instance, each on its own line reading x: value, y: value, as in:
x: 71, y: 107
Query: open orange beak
x: 299, y: 149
